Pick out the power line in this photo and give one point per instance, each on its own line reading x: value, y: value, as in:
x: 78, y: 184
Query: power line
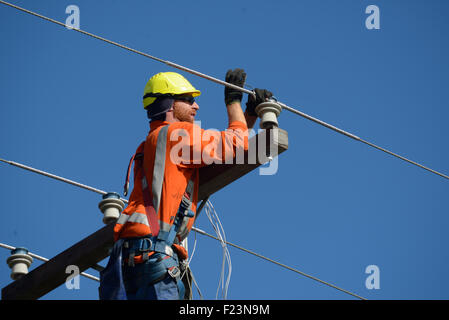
x: 280, y: 264
x: 46, y: 260
x: 169, y: 63
x: 53, y: 176
x: 205, y: 76
x: 193, y: 228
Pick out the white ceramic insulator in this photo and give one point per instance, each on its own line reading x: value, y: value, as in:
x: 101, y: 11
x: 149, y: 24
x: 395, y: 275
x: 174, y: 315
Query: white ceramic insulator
x: 268, y: 113
x: 111, y: 209
x: 19, y: 264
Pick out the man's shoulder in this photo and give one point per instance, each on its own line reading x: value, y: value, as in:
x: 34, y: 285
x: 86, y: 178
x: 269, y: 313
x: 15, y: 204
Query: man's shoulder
x: 183, y: 126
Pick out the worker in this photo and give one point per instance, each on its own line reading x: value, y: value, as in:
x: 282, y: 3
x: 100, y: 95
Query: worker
x: 146, y: 260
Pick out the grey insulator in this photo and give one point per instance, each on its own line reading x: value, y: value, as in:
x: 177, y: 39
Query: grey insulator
x: 268, y: 113
x: 111, y: 206
x: 19, y: 261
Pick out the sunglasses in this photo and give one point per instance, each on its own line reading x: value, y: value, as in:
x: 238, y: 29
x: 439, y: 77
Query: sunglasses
x: 188, y: 99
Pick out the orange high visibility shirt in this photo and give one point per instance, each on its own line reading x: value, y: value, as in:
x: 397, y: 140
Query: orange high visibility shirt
x: 188, y: 148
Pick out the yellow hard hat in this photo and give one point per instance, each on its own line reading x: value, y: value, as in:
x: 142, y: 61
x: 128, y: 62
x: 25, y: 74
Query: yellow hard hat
x: 167, y: 84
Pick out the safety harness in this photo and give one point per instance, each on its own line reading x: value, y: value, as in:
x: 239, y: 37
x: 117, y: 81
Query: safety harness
x: 154, y: 249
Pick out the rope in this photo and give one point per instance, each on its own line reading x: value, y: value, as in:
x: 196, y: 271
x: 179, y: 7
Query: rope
x: 193, y: 228
x: 202, y: 75
x: 45, y: 260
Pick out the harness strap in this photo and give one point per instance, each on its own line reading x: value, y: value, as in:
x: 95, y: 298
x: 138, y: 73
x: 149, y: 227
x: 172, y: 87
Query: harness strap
x: 152, y: 203
x: 159, y: 167
x: 126, y: 186
x: 140, y: 258
x: 185, y: 210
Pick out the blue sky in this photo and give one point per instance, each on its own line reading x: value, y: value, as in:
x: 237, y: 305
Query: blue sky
x: 71, y: 105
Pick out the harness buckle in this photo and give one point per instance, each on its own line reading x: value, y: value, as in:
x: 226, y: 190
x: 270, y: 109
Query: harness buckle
x: 174, y: 272
x: 145, y: 245
x: 184, y: 207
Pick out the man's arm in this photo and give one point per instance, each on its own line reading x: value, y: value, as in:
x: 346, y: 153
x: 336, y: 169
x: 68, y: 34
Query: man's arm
x: 250, y: 120
x: 233, y: 97
x: 235, y: 113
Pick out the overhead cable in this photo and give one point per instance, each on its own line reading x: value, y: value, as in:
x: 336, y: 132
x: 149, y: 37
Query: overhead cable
x: 46, y: 260
x: 16, y: 164
x: 221, y: 82
x: 281, y: 265
x: 193, y: 228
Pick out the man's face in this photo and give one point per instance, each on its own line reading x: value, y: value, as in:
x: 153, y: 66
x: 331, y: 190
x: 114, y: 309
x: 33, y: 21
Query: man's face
x: 185, y: 111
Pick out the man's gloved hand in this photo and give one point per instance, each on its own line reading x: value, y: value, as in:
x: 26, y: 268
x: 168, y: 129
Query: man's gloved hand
x: 237, y: 77
x: 262, y: 95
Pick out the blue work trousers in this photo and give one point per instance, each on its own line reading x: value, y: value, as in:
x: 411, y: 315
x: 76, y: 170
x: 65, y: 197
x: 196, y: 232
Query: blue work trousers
x: 138, y: 288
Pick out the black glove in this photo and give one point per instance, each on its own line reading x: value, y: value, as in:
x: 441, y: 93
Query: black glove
x: 237, y: 77
x: 262, y: 95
